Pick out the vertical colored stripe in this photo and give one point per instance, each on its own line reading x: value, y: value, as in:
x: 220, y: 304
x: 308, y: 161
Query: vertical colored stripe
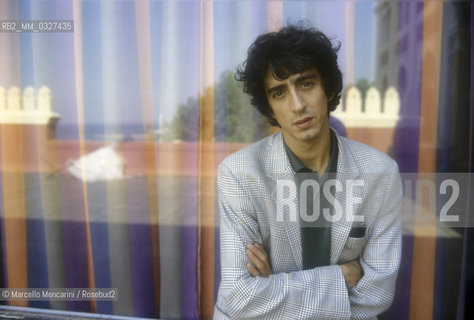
x: 156, y: 46
x: 92, y: 71
x: 206, y: 165
x: 406, y: 145
x: 170, y: 210
x: 51, y: 201
x: 40, y: 56
x: 170, y: 65
x: 143, y: 29
x: 406, y: 139
x: 188, y: 197
x: 423, y: 265
x: 93, y: 128
x: 12, y: 199
x: 14, y: 207
x: 70, y: 226
x: 432, y: 35
x: 26, y: 48
x: 141, y: 249
x: 189, y: 235
x: 119, y: 246
x: 406, y: 133
x: 12, y: 145
x: 10, y: 48
x: 53, y: 58
x: 169, y: 186
x: 35, y: 224
x: 99, y: 230
x: 115, y: 190
x: 132, y: 125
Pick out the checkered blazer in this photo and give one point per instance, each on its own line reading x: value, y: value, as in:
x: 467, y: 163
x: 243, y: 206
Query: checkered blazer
x: 248, y: 201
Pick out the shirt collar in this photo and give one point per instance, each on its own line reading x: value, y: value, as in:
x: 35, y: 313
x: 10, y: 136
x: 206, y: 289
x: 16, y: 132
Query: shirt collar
x: 298, y: 166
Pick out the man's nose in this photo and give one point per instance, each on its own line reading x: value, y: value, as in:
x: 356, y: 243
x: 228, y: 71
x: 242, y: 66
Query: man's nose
x: 297, y: 100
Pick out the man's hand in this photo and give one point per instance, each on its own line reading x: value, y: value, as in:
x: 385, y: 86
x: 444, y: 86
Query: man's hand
x: 260, y: 265
x: 352, y: 272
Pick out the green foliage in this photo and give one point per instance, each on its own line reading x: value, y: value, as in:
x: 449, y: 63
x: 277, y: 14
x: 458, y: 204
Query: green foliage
x: 184, y: 125
x: 236, y: 120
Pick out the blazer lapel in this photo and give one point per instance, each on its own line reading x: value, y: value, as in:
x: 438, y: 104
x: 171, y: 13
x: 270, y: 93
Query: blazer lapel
x: 280, y: 169
x: 346, y: 170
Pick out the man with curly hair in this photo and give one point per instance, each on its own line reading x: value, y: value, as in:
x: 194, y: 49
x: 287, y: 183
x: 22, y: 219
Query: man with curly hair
x: 310, y: 220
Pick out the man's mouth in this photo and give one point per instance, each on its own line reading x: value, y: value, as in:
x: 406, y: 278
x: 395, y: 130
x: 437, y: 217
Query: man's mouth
x: 303, y: 123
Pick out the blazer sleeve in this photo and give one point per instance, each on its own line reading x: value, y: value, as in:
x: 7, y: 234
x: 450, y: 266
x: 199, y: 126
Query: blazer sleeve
x: 381, y: 256
x: 319, y: 293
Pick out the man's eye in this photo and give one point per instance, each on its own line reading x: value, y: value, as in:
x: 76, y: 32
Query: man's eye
x: 307, y: 84
x: 278, y: 94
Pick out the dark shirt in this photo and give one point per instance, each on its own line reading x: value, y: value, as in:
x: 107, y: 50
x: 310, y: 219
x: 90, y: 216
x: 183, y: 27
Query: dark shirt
x: 315, y: 235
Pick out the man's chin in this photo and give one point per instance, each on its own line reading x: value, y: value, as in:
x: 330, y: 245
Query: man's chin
x: 305, y: 136
x: 309, y: 135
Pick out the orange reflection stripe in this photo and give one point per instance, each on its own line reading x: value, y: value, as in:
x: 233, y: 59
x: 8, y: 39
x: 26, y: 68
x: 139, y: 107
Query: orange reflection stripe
x: 13, y: 185
x: 12, y: 167
x: 77, y: 11
x: 206, y: 165
x: 424, y: 247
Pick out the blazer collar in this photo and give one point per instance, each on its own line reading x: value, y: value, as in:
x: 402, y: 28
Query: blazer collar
x: 346, y: 164
x: 280, y: 168
x: 279, y: 165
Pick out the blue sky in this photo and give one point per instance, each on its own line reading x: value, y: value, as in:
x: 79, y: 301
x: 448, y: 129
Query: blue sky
x: 109, y: 51
x: 364, y: 44
x: 238, y: 23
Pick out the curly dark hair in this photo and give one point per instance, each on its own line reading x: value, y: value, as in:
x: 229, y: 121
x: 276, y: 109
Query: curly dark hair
x: 291, y: 50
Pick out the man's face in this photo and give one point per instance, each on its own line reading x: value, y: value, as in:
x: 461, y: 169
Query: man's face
x: 299, y: 104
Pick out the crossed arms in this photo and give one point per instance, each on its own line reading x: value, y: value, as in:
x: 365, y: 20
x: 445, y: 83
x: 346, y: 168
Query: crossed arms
x: 328, y: 292
x: 259, y: 265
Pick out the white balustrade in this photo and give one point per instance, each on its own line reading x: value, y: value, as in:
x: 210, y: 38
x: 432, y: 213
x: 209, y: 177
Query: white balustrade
x: 374, y: 114
x: 31, y: 107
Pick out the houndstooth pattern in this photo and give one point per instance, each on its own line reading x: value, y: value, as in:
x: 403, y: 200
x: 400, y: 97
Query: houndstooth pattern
x: 247, y: 202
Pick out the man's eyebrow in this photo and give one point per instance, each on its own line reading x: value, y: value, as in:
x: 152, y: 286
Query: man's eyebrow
x: 275, y: 88
x: 301, y: 78
x: 306, y: 76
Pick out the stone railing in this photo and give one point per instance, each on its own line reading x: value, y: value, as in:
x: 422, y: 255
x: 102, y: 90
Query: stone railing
x: 375, y: 114
x: 30, y: 108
